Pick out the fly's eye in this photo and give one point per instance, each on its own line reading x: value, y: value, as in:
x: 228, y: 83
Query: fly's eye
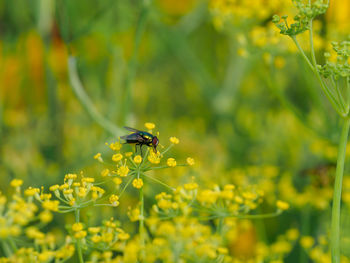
x: 155, y: 141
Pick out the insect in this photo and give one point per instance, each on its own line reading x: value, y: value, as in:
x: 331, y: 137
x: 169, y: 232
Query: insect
x: 141, y: 138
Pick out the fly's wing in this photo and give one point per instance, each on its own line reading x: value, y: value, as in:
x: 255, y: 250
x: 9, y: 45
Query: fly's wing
x: 130, y: 129
x: 134, y: 137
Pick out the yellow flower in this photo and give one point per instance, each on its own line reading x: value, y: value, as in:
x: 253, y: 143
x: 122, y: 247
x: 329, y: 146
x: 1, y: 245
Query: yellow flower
x: 94, y: 230
x: 128, y: 154
x: 171, y: 162
x: 97, y: 156
x: 117, y: 180
x: 123, y: 171
x: 116, y: 146
x: 174, y: 140
x: 117, y: 157
x: 70, y: 176
x: 282, y: 205
x: 191, y: 186
x: 138, y: 159
x: 190, y: 161
x: 150, y: 125
x: 76, y: 227
x: 16, y: 182
x: 96, y: 239
x: 105, y: 172
x: 113, y: 199
x: 51, y: 205
x: 45, y: 216
x: 31, y: 191
x: 123, y: 236
x: 222, y: 250
x: 307, y: 242
x: 292, y: 234
x: 154, y: 157
x: 137, y: 183
x: 80, y: 234
x: 54, y: 187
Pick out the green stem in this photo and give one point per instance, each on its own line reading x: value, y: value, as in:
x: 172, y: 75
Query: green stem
x: 324, y: 87
x: 335, y: 225
x: 84, y: 99
x: 78, y: 244
x: 6, y: 248
x: 142, y: 224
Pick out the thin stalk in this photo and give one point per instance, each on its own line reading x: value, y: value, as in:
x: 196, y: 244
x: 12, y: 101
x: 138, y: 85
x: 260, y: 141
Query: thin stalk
x: 6, y: 248
x: 142, y: 223
x: 84, y: 99
x: 78, y: 244
x: 335, y: 224
x: 324, y: 87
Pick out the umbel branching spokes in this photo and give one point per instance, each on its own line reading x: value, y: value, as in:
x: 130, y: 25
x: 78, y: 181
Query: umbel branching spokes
x: 334, y: 75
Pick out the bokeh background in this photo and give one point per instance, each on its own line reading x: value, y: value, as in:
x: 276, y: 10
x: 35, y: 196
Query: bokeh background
x: 216, y: 74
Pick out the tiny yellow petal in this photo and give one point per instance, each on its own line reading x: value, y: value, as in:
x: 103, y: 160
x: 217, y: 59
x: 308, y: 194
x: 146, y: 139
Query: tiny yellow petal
x: 150, y: 125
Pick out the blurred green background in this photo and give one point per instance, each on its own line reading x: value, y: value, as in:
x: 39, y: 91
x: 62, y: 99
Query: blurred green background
x: 215, y: 74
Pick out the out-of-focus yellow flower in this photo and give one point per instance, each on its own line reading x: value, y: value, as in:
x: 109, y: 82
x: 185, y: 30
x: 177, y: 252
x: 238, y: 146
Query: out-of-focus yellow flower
x: 117, y: 180
x: 97, y: 156
x: 80, y: 234
x: 128, y: 154
x: 117, y: 157
x: 76, y: 227
x: 292, y: 234
x: 171, y: 162
x: 16, y: 182
x: 150, y: 125
x: 174, y: 140
x: 105, y: 172
x: 113, y: 199
x: 307, y: 242
x: 138, y: 159
x: 51, y: 205
x: 190, y: 161
x: 45, y: 216
x: 137, y: 183
x: 282, y: 205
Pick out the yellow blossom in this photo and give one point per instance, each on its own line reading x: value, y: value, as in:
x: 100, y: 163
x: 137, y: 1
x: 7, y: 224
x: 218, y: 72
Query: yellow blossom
x: 174, y: 140
x: 45, y: 216
x: 191, y: 186
x: 76, y: 227
x: 105, y: 172
x: 117, y: 157
x: 96, y: 238
x: 31, y: 191
x: 190, y: 161
x: 123, y: 171
x: 137, y: 183
x: 117, y: 180
x: 94, y: 230
x: 292, y: 234
x: 80, y: 234
x: 154, y: 157
x: 138, y: 159
x: 171, y: 162
x: 307, y: 242
x: 16, y: 182
x: 150, y: 125
x: 116, y: 146
x: 128, y: 154
x: 113, y: 199
x: 282, y: 205
x: 54, y: 187
x: 98, y: 157
x: 51, y: 205
x: 123, y: 236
